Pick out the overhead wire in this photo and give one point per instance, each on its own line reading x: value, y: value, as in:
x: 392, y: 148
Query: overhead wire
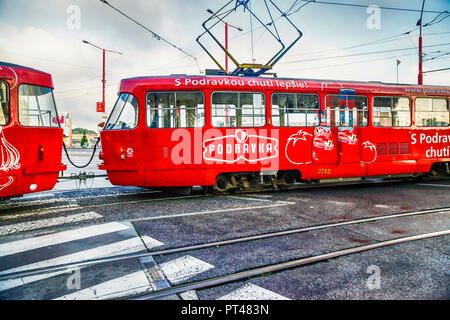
x: 365, y: 6
x: 364, y: 53
x: 154, y: 34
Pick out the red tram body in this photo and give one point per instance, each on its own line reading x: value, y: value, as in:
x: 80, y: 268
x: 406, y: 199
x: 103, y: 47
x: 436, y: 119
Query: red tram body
x: 236, y: 132
x: 30, y: 135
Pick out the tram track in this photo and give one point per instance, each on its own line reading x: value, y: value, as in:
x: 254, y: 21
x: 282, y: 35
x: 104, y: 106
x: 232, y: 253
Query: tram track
x: 278, y: 267
x: 26, y: 203
x: 27, y: 208
x: 76, y: 265
x: 72, y: 204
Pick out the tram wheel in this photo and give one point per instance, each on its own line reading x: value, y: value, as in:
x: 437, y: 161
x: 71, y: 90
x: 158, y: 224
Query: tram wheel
x: 222, y: 183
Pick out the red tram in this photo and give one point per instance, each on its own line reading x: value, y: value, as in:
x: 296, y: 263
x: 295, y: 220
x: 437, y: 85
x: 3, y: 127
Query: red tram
x: 30, y: 135
x: 238, y: 132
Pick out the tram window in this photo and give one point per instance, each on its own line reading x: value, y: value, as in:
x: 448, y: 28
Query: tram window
x: 295, y: 110
x: 391, y: 112
x: 346, y: 111
x: 183, y: 109
x: 432, y: 112
x: 124, y: 114
x: 238, y: 109
x: 37, y: 106
x: 4, y: 104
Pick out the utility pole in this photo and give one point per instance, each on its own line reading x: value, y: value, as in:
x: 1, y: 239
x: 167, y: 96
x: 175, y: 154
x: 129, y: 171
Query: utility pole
x: 419, y: 23
x: 103, y: 78
x: 226, y: 35
x: 226, y: 46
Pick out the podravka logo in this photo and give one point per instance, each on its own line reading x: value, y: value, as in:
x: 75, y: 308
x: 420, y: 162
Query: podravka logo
x: 240, y: 145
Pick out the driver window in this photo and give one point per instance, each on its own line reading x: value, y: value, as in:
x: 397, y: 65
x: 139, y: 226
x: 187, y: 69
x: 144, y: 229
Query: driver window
x: 125, y: 113
x: 4, y: 104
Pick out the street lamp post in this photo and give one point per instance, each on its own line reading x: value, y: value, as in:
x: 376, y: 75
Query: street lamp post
x: 419, y: 23
x: 103, y: 78
x: 226, y: 35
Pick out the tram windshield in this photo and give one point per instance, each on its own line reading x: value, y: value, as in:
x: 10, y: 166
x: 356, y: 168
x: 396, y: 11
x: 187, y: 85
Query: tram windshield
x: 37, y: 106
x: 125, y: 113
x: 4, y: 104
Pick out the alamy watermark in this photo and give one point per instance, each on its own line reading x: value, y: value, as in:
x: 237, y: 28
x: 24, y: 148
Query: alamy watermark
x: 74, y: 280
x: 374, y: 280
x: 373, y: 22
x: 73, y: 21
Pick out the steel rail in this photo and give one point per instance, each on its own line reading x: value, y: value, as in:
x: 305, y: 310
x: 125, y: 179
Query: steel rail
x: 74, y: 265
x: 24, y: 205
x: 71, y: 207
x: 276, y: 267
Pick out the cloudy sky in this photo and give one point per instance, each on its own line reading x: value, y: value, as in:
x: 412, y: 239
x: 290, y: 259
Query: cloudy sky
x: 338, y: 42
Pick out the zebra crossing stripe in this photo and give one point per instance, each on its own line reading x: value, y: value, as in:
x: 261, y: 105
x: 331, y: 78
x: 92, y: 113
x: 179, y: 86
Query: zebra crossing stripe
x: 13, y: 283
x: 252, y: 292
x: 121, y: 247
x: 129, y: 284
x: 183, y: 268
x: 59, y: 238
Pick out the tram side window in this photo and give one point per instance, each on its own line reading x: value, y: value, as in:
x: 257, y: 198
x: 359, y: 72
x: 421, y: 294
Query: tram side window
x: 432, y: 112
x: 184, y: 109
x: 346, y: 111
x: 4, y: 101
x: 37, y: 106
x: 295, y: 110
x: 391, y: 112
x: 125, y: 113
x: 238, y: 109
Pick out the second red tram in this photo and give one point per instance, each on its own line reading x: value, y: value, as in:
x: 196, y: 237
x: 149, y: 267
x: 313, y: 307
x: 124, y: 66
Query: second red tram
x: 30, y: 135
x: 238, y: 132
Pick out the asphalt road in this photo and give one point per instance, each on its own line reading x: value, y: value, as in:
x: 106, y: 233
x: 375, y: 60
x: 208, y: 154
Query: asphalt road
x: 68, y: 226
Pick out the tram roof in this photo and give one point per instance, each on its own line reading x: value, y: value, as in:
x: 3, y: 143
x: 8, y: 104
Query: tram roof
x: 192, y: 82
x: 25, y: 74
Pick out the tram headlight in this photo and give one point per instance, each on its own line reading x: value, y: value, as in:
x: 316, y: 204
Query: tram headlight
x: 122, y: 153
x: 41, y: 153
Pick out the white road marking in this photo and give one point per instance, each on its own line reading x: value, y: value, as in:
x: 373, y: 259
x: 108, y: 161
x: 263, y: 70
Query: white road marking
x: 122, y: 247
x: 262, y: 195
x: 252, y: 292
x: 382, y: 206
x: 13, y: 283
x: 183, y: 268
x: 60, y: 237
x: 434, y: 185
x: 129, y: 284
x: 340, y: 203
x: 279, y: 204
x: 32, y: 225
x: 151, y: 243
x: 189, y: 295
x: 248, y: 198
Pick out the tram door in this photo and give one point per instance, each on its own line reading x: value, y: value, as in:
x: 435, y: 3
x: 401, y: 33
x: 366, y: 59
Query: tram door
x: 338, y: 142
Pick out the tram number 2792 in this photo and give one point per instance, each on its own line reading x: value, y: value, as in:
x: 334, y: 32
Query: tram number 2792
x: 324, y: 171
